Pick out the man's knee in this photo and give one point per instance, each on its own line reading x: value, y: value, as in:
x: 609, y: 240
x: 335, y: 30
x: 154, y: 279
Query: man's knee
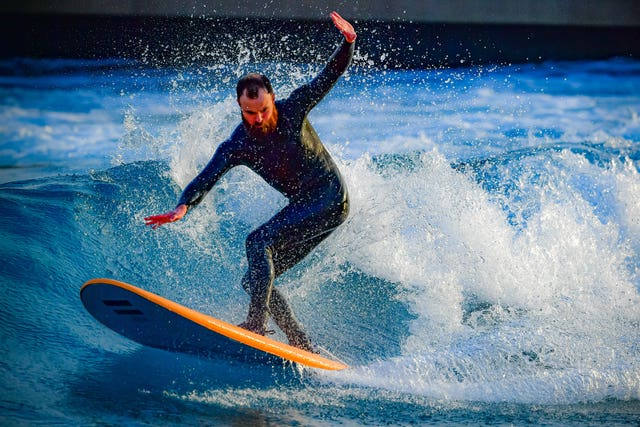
x: 256, y: 245
x: 246, y: 282
x: 259, y: 241
x: 253, y: 240
x: 260, y: 257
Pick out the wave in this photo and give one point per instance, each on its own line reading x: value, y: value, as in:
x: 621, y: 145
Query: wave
x: 464, y: 281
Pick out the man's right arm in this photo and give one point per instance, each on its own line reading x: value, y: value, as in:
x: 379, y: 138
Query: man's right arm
x: 219, y: 164
x: 195, y: 191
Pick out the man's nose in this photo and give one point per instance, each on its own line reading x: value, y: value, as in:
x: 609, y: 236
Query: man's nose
x: 259, y: 118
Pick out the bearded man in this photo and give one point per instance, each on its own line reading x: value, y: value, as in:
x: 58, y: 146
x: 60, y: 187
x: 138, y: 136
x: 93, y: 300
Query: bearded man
x: 276, y: 141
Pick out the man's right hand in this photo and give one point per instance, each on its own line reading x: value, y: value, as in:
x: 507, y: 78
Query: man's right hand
x: 156, y: 221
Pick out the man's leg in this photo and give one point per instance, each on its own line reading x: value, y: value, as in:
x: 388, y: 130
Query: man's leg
x: 282, y: 315
x: 258, y: 280
x: 271, y: 250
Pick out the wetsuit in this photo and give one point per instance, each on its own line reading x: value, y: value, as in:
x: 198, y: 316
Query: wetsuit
x: 293, y: 160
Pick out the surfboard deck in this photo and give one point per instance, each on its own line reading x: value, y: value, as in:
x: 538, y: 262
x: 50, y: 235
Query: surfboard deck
x: 154, y: 321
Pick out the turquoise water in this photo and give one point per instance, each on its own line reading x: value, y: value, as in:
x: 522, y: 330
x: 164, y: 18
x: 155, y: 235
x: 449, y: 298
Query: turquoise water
x: 487, y: 275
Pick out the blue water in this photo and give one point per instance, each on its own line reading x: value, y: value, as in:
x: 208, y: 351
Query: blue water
x: 488, y: 274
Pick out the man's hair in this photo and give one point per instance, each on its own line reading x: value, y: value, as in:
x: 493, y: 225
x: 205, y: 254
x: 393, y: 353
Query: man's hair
x: 252, y: 83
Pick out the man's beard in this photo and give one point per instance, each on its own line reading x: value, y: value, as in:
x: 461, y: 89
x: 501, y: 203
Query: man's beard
x: 263, y: 129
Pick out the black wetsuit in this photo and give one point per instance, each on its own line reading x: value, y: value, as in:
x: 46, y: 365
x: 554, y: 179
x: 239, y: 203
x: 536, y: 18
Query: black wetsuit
x: 292, y: 160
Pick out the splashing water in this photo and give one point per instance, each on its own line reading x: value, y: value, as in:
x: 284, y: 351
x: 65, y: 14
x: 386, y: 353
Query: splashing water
x: 491, y: 255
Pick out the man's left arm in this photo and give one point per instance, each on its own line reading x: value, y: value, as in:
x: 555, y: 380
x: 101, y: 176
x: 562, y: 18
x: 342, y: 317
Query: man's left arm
x: 313, y: 92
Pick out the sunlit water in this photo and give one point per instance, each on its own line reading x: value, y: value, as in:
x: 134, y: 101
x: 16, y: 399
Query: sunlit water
x: 488, y: 273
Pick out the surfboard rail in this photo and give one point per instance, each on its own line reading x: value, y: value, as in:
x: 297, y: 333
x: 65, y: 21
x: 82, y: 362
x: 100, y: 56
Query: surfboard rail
x: 228, y: 330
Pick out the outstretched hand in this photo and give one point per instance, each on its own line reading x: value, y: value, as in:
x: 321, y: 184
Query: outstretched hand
x: 156, y: 221
x: 344, y: 26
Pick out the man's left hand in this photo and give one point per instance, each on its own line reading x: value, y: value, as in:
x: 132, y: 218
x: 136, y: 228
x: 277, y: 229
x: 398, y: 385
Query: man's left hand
x: 344, y: 26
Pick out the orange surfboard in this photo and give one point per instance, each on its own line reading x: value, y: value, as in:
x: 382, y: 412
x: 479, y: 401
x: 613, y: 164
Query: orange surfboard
x: 154, y: 321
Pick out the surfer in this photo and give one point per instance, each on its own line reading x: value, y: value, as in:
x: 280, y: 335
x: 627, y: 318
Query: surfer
x: 276, y: 140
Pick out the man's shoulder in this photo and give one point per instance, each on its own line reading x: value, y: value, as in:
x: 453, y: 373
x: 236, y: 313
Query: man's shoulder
x: 291, y: 106
x: 282, y: 105
x: 238, y: 133
x: 237, y: 137
x: 234, y: 142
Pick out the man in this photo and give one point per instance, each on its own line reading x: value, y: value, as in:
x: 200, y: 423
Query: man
x: 276, y: 141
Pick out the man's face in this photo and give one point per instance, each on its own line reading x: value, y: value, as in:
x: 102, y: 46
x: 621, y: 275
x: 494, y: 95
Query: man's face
x: 259, y: 114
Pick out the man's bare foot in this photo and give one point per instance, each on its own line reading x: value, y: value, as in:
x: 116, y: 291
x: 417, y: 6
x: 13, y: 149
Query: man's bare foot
x: 302, y: 342
x: 253, y: 328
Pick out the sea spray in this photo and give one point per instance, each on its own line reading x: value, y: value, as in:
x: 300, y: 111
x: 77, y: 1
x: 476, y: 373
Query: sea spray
x: 513, y: 273
x: 548, y: 308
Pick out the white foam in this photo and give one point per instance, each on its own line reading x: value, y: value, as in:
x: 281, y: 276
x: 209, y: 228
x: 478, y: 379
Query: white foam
x: 561, y: 308
x: 540, y: 308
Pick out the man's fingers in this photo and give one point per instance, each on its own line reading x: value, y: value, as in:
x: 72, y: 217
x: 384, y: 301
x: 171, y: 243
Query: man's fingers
x: 337, y: 20
x: 154, y: 221
x: 344, y: 26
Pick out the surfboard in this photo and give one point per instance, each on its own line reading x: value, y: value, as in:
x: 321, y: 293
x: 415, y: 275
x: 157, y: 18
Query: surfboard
x: 154, y: 321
